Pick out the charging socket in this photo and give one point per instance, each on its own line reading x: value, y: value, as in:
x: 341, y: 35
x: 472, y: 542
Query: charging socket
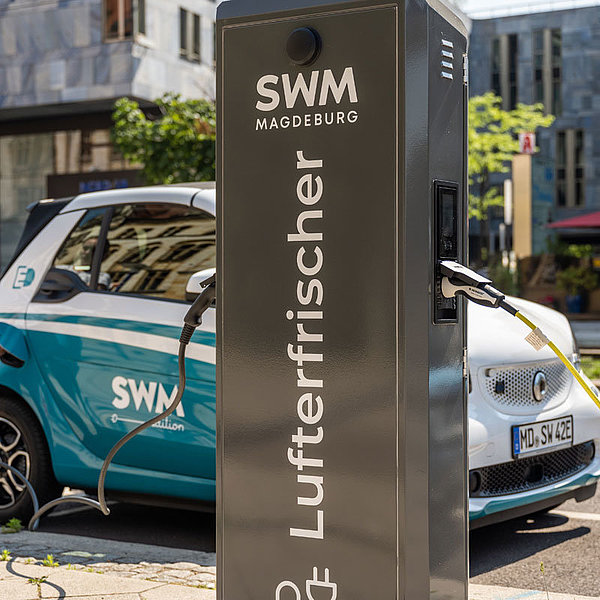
x: 446, y: 245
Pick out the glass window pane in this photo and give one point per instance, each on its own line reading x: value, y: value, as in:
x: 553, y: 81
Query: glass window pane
x: 513, y: 96
x: 538, y: 92
x: 560, y: 194
x: 556, y: 42
x: 495, y: 57
x: 579, y: 192
x: 557, y: 98
x: 538, y: 40
x: 579, y: 147
x: 111, y: 19
x: 77, y: 252
x: 128, y: 16
x: 153, y: 249
x: 560, y: 148
x: 141, y: 17
x: 197, y: 36
x: 183, y: 30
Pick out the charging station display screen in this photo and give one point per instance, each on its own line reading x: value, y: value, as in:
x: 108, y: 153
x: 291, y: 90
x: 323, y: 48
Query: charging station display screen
x: 448, y: 237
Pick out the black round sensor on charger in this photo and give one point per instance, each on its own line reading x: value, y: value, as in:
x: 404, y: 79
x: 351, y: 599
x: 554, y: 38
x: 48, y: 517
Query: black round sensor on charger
x: 303, y: 46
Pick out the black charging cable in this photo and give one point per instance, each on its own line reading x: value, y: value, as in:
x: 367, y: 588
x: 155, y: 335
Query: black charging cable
x: 192, y: 320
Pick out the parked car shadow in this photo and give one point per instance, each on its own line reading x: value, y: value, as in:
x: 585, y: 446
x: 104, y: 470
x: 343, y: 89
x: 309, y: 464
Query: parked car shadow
x: 159, y: 526
x: 499, y: 545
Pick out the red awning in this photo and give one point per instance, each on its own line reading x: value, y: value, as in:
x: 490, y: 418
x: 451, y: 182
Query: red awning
x: 589, y: 221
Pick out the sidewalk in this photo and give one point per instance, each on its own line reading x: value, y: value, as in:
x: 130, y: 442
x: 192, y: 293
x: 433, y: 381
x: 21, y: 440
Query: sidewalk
x: 97, y: 569
x: 92, y: 569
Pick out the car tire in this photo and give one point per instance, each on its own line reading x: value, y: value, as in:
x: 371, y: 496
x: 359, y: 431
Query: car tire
x: 23, y: 446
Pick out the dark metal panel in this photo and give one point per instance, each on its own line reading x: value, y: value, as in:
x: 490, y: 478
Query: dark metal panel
x: 394, y: 410
x: 260, y: 496
x: 447, y: 398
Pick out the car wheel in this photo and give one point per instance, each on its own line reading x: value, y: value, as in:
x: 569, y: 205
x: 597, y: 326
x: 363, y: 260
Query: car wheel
x: 24, y: 447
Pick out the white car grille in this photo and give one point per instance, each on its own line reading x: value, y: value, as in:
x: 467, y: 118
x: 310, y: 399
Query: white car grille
x: 510, y: 388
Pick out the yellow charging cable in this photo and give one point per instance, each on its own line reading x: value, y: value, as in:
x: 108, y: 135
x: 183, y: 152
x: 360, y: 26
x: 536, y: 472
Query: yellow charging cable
x: 563, y: 358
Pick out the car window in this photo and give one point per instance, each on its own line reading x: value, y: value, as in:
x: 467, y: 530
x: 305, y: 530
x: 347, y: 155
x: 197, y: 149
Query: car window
x: 77, y: 252
x: 153, y: 249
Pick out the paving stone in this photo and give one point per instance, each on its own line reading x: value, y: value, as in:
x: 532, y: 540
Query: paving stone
x: 99, y: 597
x: 177, y: 592
x: 16, y: 590
x: 135, y: 561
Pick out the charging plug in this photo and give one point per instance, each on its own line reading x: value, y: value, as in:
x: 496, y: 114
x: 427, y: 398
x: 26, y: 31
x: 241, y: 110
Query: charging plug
x: 315, y: 583
x: 193, y: 317
x: 460, y: 280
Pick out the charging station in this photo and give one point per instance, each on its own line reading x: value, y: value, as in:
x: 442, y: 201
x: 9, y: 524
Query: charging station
x: 341, y: 380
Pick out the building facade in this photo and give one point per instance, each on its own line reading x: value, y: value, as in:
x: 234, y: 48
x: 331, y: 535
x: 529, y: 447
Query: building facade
x: 63, y: 63
x: 553, y: 58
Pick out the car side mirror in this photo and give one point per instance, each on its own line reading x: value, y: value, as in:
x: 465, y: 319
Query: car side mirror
x: 193, y: 287
x: 59, y: 285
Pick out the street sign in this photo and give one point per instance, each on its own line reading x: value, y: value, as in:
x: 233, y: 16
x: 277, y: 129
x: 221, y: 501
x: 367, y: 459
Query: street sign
x: 527, y: 143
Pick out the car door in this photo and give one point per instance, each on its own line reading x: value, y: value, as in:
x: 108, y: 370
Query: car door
x: 109, y: 350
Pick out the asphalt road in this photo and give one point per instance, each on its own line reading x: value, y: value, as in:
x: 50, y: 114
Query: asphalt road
x: 568, y: 544
x: 507, y: 554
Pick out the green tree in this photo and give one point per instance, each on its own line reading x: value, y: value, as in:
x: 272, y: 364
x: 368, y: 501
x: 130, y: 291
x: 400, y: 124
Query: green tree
x: 176, y: 147
x: 493, y: 141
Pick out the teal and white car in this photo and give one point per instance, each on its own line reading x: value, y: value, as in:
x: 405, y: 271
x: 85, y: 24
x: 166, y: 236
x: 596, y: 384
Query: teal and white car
x: 91, y: 309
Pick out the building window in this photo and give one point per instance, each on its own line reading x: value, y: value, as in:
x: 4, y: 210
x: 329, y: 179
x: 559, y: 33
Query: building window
x: 190, y: 25
x: 504, y: 69
x: 547, y: 69
x: 120, y: 16
x: 141, y: 17
x: 570, y: 168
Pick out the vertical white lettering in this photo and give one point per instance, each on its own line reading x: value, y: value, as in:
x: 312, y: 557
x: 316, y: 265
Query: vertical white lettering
x: 309, y: 271
x: 306, y: 192
x: 303, y: 163
x: 318, y: 483
x: 302, y: 235
x: 316, y: 534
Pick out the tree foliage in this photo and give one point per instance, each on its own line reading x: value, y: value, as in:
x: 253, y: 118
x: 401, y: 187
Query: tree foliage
x: 176, y: 147
x: 493, y: 141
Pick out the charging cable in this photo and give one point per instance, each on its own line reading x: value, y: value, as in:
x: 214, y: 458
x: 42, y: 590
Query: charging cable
x: 459, y: 280
x: 192, y: 320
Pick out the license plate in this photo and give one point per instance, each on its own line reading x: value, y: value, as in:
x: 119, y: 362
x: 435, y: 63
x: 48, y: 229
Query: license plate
x: 534, y: 438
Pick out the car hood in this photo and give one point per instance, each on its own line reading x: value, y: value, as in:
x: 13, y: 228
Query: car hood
x: 497, y: 338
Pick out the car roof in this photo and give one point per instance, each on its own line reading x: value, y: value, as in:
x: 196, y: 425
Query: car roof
x: 201, y: 195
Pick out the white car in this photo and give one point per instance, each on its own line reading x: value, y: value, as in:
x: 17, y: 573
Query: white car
x: 533, y: 431
x: 91, y: 307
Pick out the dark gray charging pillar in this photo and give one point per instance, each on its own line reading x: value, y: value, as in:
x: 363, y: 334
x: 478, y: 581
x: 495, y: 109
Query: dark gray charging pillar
x: 340, y: 390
